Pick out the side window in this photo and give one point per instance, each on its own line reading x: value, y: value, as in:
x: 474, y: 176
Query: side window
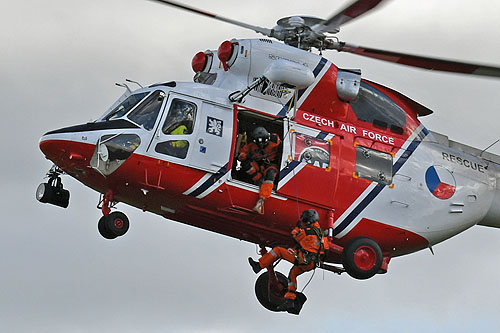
x: 176, y: 148
x: 112, y: 150
x: 180, y: 121
x: 373, y: 165
x: 311, y: 150
x: 180, y: 118
x: 147, y: 112
x: 375, y: 107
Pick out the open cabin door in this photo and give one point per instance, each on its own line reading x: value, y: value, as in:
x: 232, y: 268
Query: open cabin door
x: 194, y: 133
x: 243, y: 191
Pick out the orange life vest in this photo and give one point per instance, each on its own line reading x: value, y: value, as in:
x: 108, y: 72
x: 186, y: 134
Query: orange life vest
x: 311, y: 239
x: 253, y: 151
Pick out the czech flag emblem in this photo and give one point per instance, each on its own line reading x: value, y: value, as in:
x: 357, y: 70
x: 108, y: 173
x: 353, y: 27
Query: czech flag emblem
x: 440, y: 182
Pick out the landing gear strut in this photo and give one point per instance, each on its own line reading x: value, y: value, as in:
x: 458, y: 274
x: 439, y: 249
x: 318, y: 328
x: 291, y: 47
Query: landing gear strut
x: 111, y: 225
x: 52, y: 191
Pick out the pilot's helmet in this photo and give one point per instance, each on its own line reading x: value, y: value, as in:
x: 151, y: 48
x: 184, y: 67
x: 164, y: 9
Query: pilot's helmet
x: 261, y: 136
x: 181, y: 113
x: 309, y: 216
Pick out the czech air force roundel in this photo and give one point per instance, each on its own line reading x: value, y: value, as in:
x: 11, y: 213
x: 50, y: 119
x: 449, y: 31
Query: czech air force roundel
x: 440, y: 182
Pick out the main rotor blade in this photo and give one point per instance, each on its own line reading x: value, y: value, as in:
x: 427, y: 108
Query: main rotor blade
x: 355, y: 9
x: 264, y: 31
x: 419, y: 61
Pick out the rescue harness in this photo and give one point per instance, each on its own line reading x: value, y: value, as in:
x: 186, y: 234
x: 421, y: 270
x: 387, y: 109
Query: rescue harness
x: 309, y: 256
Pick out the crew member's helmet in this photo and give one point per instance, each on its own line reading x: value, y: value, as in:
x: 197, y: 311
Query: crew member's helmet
x: 309, y: 216
x: 261, y: 136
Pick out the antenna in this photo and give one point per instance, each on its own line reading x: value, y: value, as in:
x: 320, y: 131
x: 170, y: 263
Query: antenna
x: 494, y: 143
x: 132, y: 81
x: 124, y: 85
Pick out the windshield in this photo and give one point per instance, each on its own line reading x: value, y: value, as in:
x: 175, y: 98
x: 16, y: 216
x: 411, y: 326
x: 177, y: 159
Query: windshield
x: 125, y: 106
x: 147, y: 112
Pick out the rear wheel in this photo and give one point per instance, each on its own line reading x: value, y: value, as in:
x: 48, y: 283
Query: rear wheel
x: 362, y: 258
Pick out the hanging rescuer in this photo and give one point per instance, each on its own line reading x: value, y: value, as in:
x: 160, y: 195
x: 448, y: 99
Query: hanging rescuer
x: 311, y: 247
x: 258, y: 160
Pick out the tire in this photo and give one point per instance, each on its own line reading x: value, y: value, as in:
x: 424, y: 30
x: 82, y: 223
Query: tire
x: 270, y: 302
x: 362, y: 258
x: 116, y: 224
x: 103, y: 230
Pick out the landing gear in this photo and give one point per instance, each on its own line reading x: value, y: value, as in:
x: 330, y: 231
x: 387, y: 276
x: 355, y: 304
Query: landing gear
x: 111, y: 224
x: 270, y: 288
x: 52, y: 191
x: 114, y: 225
x: 362, y: 258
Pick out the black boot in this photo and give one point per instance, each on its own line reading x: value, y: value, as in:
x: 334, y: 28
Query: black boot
x: 255, y: 265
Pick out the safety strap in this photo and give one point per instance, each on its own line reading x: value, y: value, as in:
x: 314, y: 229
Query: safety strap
x: 319, y: 234
x: 305, y: 254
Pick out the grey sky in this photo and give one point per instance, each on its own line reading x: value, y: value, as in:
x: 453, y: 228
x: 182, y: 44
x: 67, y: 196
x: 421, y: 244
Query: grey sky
x: 59, y: 62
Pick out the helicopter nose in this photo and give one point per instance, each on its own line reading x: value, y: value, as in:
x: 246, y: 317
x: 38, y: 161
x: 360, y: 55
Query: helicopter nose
x: 60, y: 149
x: 53, y: 149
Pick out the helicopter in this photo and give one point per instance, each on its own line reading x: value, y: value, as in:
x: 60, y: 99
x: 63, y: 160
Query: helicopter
x: 352, y: 149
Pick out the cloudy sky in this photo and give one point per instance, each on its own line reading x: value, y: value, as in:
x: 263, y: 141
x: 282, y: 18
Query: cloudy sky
x: 59, y: 60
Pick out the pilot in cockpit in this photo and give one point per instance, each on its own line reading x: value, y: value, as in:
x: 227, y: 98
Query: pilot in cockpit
x: 180, y: 121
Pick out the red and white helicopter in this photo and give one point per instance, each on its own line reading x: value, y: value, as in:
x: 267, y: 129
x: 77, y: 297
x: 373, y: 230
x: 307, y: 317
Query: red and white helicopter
x: 354, y: 150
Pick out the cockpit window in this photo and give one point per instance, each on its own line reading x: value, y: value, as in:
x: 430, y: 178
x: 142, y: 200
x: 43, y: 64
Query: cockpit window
x: 126, y: 106
x: 375, y: 107
x: 180, y: 119
x: 146, y: 113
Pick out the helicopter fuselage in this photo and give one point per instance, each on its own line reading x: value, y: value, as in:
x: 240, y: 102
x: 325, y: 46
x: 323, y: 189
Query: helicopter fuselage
x: 351, y: 149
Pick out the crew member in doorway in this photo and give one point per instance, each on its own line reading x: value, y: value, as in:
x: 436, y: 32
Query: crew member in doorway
x: 258, y: 159
x: 310, y: 249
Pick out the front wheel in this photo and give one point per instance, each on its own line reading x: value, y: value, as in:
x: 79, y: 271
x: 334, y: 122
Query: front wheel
x: 101, y: 226
x: 114, y: 225
x: 362, y: 258
x: 117, y: 223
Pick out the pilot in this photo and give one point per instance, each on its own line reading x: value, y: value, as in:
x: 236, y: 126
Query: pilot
x: 181, y: 114
x: 310, y: 249
x: 179, y: 121
x: 258, y: 159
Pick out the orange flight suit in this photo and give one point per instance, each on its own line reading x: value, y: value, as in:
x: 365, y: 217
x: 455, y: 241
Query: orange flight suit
x: 261, y: 164
x: 304, y: 258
